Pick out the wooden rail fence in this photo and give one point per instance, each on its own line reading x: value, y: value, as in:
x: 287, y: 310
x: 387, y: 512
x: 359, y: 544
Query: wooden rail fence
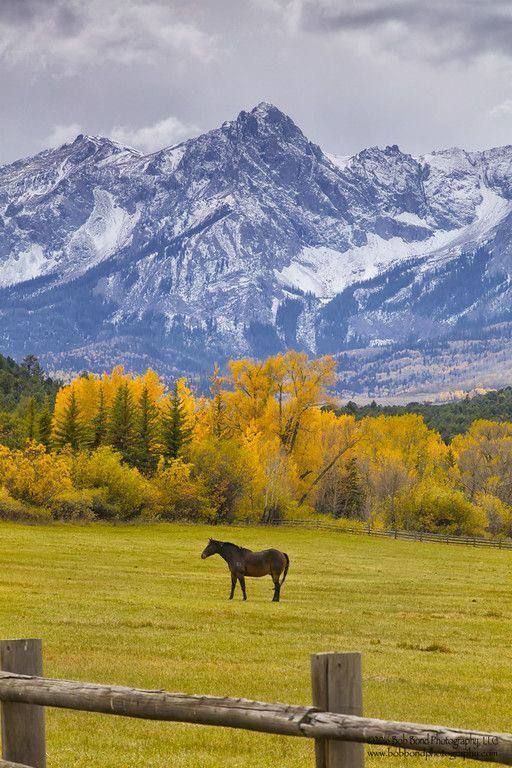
x: 441, y: 538
x: 334, y: 720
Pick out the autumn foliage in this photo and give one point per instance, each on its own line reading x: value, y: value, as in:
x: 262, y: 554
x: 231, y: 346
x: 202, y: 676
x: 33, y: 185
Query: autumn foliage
x: 265, y: 443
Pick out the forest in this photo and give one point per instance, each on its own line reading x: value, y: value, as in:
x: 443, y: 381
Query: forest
x: 449, y: 419
x: 266, y: 442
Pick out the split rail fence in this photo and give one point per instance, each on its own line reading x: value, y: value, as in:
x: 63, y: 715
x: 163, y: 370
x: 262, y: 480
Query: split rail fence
x: 442, y: 538
x: 334, y: 720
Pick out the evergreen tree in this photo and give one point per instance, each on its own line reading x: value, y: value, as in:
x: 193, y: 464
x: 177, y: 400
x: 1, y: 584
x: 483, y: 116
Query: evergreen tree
x: 217, y: 404
x: 31, y: 419
x: 146, y: 455
x: 176, y: 432
x: 45, y: 424
x: 122, y: 432
x: 351, y: 495
x: 100, y: 422
x: 31, y: 365
x: 19, y: 382
x: 450, y: 459
x: 68, y: 428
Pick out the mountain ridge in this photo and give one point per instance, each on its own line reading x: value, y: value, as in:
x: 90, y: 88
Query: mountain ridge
x: 246, y: 240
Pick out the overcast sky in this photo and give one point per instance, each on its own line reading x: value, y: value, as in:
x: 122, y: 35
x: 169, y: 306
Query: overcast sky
x: 423, y: 74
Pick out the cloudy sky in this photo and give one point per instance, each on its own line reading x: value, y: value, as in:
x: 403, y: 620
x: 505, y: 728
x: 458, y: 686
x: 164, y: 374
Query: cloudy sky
x: 352, y: 73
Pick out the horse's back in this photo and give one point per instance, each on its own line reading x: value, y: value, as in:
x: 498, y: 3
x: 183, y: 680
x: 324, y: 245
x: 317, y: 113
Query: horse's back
x: 270, y: 554
x: 264, y: 562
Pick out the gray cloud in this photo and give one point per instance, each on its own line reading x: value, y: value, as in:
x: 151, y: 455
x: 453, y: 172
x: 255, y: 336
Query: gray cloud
x: 149, y: 138
x: 67, y: 34
x: 503, y: 110
x: 439, y: 28
x: 61, y: 134
x: 351, y: 73
x: 63, y: 18
x: 21, y: 11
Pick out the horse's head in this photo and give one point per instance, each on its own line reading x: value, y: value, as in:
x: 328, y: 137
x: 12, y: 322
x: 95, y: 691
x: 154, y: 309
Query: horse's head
x: 211, y: 549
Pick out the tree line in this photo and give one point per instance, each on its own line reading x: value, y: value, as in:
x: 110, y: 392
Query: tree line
x: 449, y: 419
x: 266, y: 442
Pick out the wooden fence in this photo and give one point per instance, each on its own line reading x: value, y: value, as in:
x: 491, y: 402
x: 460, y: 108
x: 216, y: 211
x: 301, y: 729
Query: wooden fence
x: 441, y: 538
x: 334, y: 720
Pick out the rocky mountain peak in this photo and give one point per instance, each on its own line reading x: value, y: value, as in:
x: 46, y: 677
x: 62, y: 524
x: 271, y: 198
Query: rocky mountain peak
x: 243, y: 241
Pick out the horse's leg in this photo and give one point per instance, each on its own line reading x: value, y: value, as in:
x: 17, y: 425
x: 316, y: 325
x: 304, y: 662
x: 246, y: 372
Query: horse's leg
x: 241, y: 579
x: 233, y: 585
x: 277, y: 588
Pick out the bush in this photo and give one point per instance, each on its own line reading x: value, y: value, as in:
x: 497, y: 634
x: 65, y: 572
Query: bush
x: 33, y: 475
x: 78, y: 505
x: 178, y: 495
x: 125, y: 492
x: 498, y: 515
x: 15, y: 511
x: 429, y: 507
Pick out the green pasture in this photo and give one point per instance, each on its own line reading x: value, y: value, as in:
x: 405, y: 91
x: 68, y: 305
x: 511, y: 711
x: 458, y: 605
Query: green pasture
x: 135, y: 605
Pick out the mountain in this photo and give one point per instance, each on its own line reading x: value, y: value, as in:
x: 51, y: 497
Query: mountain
x: 250, y: 239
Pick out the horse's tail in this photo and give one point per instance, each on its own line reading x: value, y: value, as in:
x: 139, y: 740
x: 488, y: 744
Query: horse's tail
x: 285, y: 568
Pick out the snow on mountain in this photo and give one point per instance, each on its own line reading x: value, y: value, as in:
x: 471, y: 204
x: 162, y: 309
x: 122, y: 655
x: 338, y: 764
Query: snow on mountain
x: 246, y: 240
x: 24, y: 265
x: 479, y: 209
x: 108, y: 229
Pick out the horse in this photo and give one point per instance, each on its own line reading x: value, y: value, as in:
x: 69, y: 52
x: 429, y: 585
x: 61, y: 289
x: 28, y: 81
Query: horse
x: 242, y: 562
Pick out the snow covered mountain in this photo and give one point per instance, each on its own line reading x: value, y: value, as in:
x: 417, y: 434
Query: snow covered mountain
x: 250, y: 239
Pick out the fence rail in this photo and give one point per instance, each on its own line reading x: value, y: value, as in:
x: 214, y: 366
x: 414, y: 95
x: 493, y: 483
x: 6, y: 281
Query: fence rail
x: 8, y: 764
x: 335, y: 721
x: 441, y: 538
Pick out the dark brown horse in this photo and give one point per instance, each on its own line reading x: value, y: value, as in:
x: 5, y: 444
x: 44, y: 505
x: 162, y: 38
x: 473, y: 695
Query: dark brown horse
x: 242, y: 562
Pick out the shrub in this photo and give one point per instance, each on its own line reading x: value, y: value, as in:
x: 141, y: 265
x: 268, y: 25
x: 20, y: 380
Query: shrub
x: 429, y: 507
x: 498, y: 515
x: 33, y: 475
x: 78, y: 505
x: 125, y: 492
x: 15, y: 511
x: 178, y: 495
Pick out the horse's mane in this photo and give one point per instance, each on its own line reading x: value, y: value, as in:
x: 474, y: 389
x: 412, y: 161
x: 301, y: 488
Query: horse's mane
x: 230, y: 544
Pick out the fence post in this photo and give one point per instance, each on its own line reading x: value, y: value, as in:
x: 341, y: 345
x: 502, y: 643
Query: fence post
x: 23, y: 730
x: 336, y: 680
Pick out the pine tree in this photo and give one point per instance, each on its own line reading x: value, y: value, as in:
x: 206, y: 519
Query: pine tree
x: 217, y: 405
x: 100, y: 421
x: 68, y: 428
x: 45, y: 424
x: 30, y: 363
x: 122, y: 433
x: 176, y: 432
x: 146, y: 457
x: 31, y: 419
x: 351, y: 494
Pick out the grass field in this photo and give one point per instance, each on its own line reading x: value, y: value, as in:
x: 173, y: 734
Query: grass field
x: 135, y: 605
